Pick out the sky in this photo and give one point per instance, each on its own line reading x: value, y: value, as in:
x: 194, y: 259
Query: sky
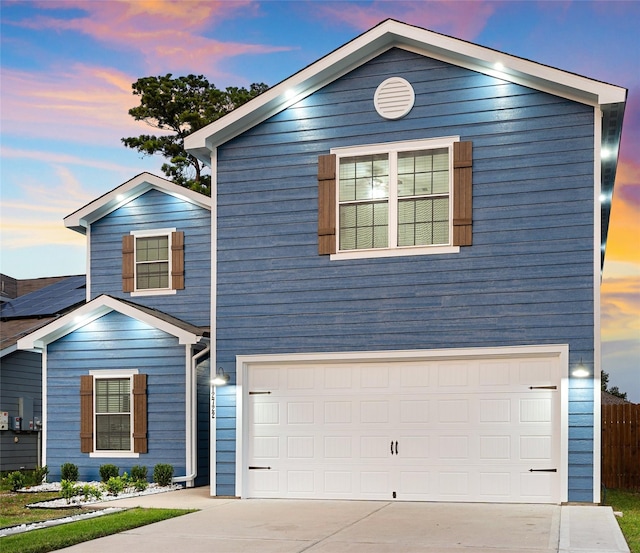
x: 65, y: 89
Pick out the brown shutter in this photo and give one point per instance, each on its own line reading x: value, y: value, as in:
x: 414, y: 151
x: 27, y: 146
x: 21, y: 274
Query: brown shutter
x: 462, y: 196
x: 86, y: 413
x: 128, y: 263
x: 326, y: 204
x: 140, y: 413
x: 177, y: 260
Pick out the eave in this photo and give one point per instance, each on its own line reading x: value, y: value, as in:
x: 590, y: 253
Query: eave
x: 81, y: 219
x: 100, y: 306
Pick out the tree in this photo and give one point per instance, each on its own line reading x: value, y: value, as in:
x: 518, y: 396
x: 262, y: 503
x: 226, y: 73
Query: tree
x: 181, y: 106
x: 614, y: 391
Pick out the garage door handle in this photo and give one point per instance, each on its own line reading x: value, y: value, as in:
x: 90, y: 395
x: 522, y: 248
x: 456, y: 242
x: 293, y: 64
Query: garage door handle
x: 391, y: 447
x: 259, y: 468
x: 396, y: 448
x: 543, y: 470
x: 396, y: 452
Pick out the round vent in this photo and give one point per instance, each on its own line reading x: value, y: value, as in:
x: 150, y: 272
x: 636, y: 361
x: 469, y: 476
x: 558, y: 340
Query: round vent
x: 394, y: 98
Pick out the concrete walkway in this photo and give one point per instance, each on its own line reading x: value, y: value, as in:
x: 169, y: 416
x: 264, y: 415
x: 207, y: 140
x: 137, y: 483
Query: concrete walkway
x: 295, y: 526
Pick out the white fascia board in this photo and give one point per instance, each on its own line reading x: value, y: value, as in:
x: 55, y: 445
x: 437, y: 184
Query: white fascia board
x: 85, y: 216
x: 93, y: 310
x: 387, y: 35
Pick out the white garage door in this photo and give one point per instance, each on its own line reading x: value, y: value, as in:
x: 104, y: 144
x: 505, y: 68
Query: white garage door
x: 482, y: 430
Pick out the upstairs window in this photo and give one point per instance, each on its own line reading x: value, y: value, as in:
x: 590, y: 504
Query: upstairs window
x: 153, y: 262
x: 395, y: 199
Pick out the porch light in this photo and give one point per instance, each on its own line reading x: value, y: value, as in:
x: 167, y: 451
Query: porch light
x: 580, y: 371
x: 221, y: 378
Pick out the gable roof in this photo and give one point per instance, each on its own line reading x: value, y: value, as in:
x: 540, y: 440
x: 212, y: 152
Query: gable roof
x: 81, y: 219
x: 102, y: 305
x: 394, y: 34
x: 611, y: 99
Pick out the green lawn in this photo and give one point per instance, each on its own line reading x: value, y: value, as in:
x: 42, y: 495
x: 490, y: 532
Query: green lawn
x: 66, y: 535
x: 629, y: 504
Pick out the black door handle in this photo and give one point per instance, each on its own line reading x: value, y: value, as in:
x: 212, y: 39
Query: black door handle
x: 396, y: 447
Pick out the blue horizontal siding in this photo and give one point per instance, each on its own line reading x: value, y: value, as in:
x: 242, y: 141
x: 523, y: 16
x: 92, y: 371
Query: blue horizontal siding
x: 528, y: 278
x: 156, y: 210
x: 134, y: 345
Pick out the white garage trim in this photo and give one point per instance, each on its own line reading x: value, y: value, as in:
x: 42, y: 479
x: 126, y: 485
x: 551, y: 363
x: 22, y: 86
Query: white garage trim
x: 243, y: 364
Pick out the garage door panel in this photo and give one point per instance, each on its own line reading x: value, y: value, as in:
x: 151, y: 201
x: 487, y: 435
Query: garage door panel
x: 463, y: 430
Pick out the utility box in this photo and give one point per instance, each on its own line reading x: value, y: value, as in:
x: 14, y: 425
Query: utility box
x: 4, y: 420
x: 17, y: 424
x: 25, y: 412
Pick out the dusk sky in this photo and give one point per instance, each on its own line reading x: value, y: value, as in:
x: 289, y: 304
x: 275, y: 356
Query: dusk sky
x: 67, y: 67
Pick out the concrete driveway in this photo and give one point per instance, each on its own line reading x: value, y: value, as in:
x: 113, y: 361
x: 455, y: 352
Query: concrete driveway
x: 293, y: 526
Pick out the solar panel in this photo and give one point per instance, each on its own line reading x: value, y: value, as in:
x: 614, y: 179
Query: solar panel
x: 50, y: 300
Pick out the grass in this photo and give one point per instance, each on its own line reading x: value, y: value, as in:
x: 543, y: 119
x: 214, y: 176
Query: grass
x: 629, y: 504
x: 66, y: 535
x: 14, y: 511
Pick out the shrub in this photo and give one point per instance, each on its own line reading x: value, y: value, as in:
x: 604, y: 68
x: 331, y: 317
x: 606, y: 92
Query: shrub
x: 108, y: 471
x: 69, y: 490
x: 69, y: 472
x: 114, y: 485
x: 40, y: 475
x: 15, y: 480
x: 139, y: 473
x: 140, y: 485
x: 88, y: 491
x: 162, y: 474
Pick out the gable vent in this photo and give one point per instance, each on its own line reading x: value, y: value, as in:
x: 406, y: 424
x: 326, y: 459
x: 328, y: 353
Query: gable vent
x: 394, y: 98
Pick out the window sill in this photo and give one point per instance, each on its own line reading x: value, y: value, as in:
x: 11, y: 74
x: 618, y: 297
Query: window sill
x: 395, y: 252
x: 140, y: 293
x: 118, y: 454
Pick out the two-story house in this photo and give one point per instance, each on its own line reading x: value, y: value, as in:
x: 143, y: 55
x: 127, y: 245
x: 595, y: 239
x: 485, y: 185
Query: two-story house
x: 406, y: 246
x: 407, y: 259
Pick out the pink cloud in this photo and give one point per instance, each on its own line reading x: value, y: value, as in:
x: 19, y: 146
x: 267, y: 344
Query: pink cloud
x: 444, y: 17
x: 81, y: 103
x: 168, y: 34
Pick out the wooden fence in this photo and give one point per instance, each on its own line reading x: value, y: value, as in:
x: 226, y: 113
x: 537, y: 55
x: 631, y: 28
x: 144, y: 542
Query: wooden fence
x: 621, y: 446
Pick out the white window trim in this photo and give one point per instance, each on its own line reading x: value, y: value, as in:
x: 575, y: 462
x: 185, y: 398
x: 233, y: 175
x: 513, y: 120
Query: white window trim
x: 146, y: 234
x: 395, y: 147
x: 102, y: 375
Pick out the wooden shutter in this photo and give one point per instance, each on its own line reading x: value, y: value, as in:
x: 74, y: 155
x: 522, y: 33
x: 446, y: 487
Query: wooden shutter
x: 177, y: 260
x: 86, y: 413
x: 128, y: 263
x: 462, y: 194
x: 140, y: 413
x: 326, y: 204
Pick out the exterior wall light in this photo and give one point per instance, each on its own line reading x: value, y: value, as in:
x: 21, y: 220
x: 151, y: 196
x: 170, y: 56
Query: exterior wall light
x: 580, y: 371
x: 221, y: 378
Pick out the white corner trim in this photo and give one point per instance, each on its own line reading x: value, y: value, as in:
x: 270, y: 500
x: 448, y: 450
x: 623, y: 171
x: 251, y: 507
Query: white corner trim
x: 597, y: 279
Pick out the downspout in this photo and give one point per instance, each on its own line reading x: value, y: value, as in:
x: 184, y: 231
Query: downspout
x: 191, y: 428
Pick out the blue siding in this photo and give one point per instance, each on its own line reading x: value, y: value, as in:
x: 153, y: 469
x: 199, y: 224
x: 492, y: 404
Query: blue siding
x: 115, y: 341
x: 156, y: 210
x: 528, y: 278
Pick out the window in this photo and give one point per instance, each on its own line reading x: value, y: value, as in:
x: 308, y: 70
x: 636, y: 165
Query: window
x: 395, y: 199
x: 153, y: 262
x: 113, y: 413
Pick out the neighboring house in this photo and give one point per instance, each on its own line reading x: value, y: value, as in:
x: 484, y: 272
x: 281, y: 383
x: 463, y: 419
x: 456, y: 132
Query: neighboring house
x: 409, y: 237
x: 21, y: 371
x: 121, y: 373
x: 610, y: 399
